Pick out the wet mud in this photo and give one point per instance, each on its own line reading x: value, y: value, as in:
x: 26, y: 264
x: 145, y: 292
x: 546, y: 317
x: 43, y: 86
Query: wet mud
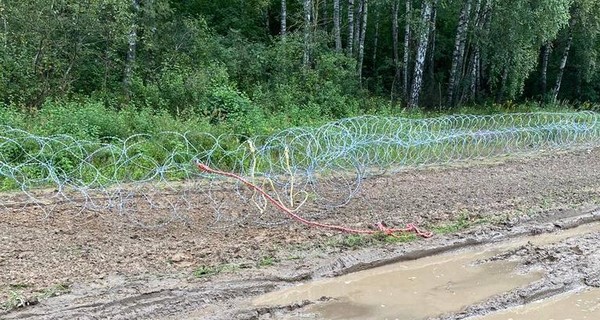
x: 581, y: 304
x: 436, y: 285
x: 533, y: 230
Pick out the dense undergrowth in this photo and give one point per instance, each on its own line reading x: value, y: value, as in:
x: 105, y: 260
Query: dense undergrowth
x: 97, y: 121
x: 37, y: 148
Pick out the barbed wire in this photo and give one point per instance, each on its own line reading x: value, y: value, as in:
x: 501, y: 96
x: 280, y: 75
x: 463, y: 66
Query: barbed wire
x: 152, y: 178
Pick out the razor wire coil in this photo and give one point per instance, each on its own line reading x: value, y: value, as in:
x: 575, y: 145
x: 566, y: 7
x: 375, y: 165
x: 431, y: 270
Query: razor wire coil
x: 320, y: 166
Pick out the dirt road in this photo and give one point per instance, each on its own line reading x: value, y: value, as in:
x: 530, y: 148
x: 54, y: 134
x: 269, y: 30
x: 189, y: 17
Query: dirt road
x: 100, y: 265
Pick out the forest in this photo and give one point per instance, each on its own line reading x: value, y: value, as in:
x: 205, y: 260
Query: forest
x: 112, y: 67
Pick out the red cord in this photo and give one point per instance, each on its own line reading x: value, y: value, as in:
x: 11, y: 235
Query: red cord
x: 381, y: 228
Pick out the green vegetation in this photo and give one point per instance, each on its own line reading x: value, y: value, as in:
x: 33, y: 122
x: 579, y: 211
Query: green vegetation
x: 17, y: 299
x: 211, y: 270
x: 113, y: 68
x: 463, y: 222
x: 354, y: 241
x: 267, y: 261
x: 110, y: 69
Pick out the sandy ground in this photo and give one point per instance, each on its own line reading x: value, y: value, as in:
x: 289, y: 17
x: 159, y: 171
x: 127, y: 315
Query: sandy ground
x: 100, y: 265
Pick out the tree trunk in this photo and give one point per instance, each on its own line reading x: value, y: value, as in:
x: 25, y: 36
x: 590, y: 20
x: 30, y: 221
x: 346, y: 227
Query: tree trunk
x: 503, y: 82
x: 459, y: 52
x: 363, y: 34
x: 431, y: 54
x: 563, y: 64
x: 314, y: 7
x: 473, y: 69
x: 132, y: 39
x: 336, y: 26
x: 395, y: 47
x: 545, y: 57
x: 424, y: 32
x: 5, y: 27
x: 283, y: 19
x: 405, y: 59
x: 307, y: 27
x: 357, y: 26
x: 350, y: 27
x: 376, y: 40
x: 474, y: 84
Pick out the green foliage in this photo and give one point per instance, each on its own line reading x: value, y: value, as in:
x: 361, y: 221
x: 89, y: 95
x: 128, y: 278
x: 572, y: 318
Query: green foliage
x: 514, y: 58
x: 221, y: 66
x: 267, y: 261
x: 211, y: 270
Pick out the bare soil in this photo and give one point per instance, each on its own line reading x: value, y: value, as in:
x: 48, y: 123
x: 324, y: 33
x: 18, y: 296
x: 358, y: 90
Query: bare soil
x: 101, y: 265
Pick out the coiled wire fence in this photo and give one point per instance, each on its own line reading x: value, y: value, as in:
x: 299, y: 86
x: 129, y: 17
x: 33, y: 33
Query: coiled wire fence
x: 153, y: 179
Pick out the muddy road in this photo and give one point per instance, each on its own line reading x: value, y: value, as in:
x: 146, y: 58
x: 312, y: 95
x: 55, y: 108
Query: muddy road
x: 512, y: 238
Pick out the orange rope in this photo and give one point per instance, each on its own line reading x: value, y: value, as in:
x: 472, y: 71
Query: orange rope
x: 380, y: 226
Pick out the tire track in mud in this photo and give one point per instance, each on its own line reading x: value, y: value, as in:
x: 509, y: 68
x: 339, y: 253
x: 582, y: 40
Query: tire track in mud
x: 228, y: 296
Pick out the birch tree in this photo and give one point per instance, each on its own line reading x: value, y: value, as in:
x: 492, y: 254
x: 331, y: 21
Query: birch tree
x: 132, y: 41
x: 407, y: 39
x: 350, y: 42
x: 363, y: 34
x: 424, y: 32
x: 357, y: 26
x: 512, y: 60
x: 307, y: 32
x: 336, y: 26
x: 546, y: 49
x: 376, y: 38
x: 483, y: 10
x: 563, y: 64
x: 395, y: 46
x: 283, y: 19
x: 459, y: 51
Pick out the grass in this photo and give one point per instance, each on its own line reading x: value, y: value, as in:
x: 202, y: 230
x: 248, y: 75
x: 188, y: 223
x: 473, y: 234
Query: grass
x: 208, y: 270
x: 267, y: 261
x: 426, y: 141
x: 464, y: 221
x: 354, y: 241
x: 17, y: 299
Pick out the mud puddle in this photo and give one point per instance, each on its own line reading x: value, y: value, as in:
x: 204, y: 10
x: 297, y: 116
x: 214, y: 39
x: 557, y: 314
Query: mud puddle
x: 420, y: 288
x: 581, y: 305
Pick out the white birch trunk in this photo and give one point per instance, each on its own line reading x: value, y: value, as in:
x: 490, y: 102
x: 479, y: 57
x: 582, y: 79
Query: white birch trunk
x: 424, y: 31
x: 405, y: 60
x: 395, y: 46
x: 283, y: 19
x: 545, y: 57
x: 350, y: 27
x: 307, y: 27
x: 563, y: 64
x: 357, y: 26
x: 363, y: 34
x: 132, y: 39
x: 459, y: 51
x: 376, y: 39
x: 336, y: 26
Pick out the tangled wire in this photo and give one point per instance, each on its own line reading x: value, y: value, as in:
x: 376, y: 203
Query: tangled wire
x: 315, y: 168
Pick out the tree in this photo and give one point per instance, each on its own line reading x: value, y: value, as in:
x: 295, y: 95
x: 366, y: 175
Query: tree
x: 132, y: 40
x: 459, y: 51
x: 424, y: 33
x: 363, y: 34
x: 336, y: 26
x: 407, y: 39
x: 350, y: 43
x: 283, y: 19
x: 546, y: 49
x: 563, y: 63
x: 307, y: 32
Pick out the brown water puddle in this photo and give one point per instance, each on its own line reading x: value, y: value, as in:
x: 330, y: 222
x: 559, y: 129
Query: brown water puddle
x: 417, y: 289
x: 575, y: 306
